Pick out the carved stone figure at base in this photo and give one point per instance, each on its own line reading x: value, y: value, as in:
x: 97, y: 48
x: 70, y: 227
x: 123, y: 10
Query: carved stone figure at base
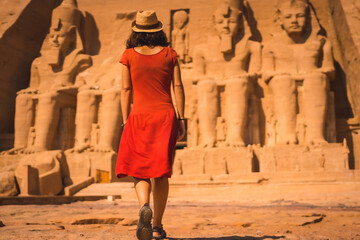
x: 229, y: 60
x: 298, y: 56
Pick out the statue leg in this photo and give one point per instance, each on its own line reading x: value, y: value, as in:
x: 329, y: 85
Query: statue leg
x: 284, y: 94
x: 315, y: 103
x: 24, y: 118
x: 111, y: 119
x: 86, y: 111
x: 208, y: 104
x: 236, y: 98
x: 47, y: 119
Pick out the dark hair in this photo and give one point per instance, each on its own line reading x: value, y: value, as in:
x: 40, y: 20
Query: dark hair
x: 138, y: 39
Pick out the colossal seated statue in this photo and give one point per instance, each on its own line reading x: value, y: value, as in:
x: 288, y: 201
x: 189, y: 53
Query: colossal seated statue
x: 298, y: 55
x: 45, y: 111
x: 50, y: 100
x: 229, y: 60
x: 98, y: 114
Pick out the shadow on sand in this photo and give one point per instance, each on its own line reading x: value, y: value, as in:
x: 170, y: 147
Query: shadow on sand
x: 231, y: 238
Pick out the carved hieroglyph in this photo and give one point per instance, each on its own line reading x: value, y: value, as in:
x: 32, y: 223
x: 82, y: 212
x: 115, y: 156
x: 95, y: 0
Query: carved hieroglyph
x: 180, y: 35
x: 227, y: 67
x: 298, y: 62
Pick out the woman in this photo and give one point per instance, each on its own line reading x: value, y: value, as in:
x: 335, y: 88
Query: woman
x: 152, y: 128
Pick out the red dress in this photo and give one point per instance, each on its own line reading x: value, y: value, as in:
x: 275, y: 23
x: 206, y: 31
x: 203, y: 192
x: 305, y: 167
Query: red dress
x: 148, y: 140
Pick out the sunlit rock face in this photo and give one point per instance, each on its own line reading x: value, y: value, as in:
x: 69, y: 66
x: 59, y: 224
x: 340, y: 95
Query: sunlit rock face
x: 24, y: 25
x: 270, y: 86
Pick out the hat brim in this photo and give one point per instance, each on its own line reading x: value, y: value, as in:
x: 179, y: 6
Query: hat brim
x: 158, y: 28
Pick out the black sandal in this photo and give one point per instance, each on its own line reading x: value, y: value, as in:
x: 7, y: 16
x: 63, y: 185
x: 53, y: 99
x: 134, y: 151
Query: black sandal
x: 143, y: 230
x: 161, y: 231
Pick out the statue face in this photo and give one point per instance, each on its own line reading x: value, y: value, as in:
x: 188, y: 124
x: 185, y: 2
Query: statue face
x: 180, y: 19
x: 58, y: 34
x: 60, y: 40
x: 180, y: 23
x: 227, y: 21
x: 293, y: 18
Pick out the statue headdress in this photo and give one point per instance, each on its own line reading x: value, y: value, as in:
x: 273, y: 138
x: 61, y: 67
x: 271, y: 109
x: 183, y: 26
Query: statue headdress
x: 236, y: 4
x: 300, y: 3
x: 225, y: 6
x: 68, y: 13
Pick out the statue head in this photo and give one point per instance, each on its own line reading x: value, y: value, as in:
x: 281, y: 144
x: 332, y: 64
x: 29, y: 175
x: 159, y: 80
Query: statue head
x: 65, y: 23
x: 180, y: 19
x: 228, y: 22
x: 294, y: 16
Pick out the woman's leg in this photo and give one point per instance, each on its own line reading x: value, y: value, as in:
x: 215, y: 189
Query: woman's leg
x: 160, y: 195
x: 143, y: 189
x: 144, y: 229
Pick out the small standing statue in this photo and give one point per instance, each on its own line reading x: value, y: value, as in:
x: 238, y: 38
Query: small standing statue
x: 299, y: 54
x: 180, y: 35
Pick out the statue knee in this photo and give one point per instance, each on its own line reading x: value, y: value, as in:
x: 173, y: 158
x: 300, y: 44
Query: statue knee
x: 315, y: 80
x: 112, y: 93
x: 85, y: 95
x: 238, y: 83
x: 282, y: 78
x: 49, y: 97
x: 282, y: 84
x: 207, y: 86
x: 23, y: 99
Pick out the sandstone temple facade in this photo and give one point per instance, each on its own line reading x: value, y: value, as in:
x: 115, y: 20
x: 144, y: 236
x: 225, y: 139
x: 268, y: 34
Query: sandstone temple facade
x: 272, y: 90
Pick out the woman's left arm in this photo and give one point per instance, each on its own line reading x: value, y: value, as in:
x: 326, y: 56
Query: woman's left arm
x: 179, y: 98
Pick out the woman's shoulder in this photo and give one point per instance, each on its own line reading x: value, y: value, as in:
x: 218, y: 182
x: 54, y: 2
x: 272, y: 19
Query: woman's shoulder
x: 170, y: 51
x: 128, y: 50
x: 126, y: 56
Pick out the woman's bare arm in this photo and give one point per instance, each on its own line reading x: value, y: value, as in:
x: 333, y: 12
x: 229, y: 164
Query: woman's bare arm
x: 179, y: 90
x: 126, y: 91
x: 180, y: 99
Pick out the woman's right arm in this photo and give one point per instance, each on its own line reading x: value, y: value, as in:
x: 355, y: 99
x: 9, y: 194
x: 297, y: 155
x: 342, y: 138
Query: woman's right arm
x: 126, y: 91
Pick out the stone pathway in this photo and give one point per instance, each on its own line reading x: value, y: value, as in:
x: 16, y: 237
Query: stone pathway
x: 210, y: 212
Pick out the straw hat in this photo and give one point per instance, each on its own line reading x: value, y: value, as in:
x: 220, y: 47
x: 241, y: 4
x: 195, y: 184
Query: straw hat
x: 146, y: 21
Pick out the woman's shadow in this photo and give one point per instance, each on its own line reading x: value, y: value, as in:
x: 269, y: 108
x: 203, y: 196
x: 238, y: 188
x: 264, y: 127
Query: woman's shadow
x: 231, y: 238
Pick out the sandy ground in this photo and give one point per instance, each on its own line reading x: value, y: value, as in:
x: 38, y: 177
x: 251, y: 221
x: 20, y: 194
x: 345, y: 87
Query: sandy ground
x: 212, y: 212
